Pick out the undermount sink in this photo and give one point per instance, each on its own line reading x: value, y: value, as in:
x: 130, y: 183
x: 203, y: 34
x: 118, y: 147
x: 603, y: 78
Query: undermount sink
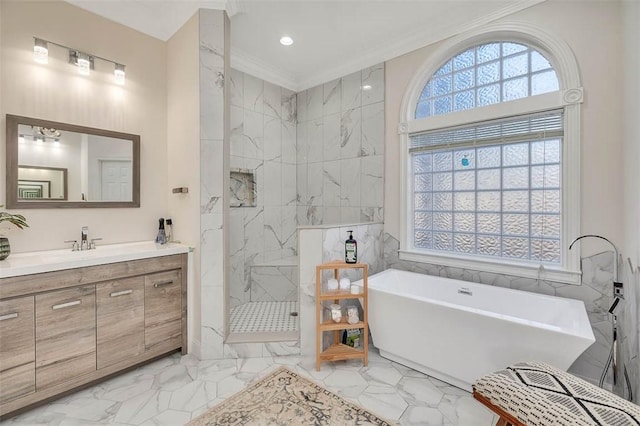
x: 55, y: 260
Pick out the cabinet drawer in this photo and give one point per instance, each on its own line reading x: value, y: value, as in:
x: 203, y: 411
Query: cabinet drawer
x: 163, y: 308
x: 120, y: 316
x: 16, y: 332
x: 17, y: 381
x: 65, y: 335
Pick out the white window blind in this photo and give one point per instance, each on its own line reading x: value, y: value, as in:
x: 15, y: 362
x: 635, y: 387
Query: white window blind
x: 505, y: 130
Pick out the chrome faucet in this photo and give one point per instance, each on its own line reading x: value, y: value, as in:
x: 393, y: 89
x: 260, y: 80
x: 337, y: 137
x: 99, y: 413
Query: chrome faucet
x: 617, y: 295
x: 84, y: 242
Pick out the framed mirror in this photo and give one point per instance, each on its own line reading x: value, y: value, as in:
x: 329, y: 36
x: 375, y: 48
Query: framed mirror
x: 60, y: 165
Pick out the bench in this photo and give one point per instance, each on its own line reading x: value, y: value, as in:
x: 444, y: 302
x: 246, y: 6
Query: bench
x: 537, y: 394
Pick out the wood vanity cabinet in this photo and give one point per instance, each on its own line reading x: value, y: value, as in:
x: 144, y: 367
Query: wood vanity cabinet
x: 17, y: 348
x: 163, y: 305
x: 120, y: 320
x: 65, y: 335
x: 65, y: 329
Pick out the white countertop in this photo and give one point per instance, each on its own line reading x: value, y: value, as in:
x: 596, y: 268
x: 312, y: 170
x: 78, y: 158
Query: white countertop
x: 55, y: 260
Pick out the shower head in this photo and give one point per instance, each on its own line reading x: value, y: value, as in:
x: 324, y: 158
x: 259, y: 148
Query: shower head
x: 615, y: 251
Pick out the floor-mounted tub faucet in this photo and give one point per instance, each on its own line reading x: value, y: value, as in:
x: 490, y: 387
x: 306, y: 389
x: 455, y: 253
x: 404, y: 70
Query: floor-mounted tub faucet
x: 617, y: 294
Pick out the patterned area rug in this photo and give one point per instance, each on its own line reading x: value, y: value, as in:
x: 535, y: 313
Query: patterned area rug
x: 284, y: 398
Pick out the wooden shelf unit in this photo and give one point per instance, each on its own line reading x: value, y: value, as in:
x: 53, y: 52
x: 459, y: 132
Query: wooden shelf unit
x: 339, y: 351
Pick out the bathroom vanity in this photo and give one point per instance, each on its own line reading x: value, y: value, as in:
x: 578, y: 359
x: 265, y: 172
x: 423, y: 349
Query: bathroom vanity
x: 68, y: 319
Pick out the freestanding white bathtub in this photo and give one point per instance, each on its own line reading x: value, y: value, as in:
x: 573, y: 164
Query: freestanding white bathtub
x: 458, y: 331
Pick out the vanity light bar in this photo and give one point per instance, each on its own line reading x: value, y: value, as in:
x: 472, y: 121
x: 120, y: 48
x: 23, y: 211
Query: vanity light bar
x: 84, y: 61
x: 39, y: 139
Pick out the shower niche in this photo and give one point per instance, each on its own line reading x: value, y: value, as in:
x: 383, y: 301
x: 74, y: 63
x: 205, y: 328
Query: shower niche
x: 243, y: 188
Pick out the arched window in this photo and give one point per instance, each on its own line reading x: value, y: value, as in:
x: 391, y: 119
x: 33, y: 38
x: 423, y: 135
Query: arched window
x: 486, y: 179
x: 486, y: 74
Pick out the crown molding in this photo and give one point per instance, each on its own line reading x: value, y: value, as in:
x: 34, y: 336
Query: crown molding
x: 416, y: 41
x: 246, y: 63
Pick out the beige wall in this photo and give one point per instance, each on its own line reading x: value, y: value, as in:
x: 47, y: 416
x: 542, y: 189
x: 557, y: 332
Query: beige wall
x: 183, y: 148
x: 631, y: 205
x: 592, y: 30
x: 56, y: 92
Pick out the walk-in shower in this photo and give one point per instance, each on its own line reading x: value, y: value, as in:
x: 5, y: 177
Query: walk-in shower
x: 263, y: 284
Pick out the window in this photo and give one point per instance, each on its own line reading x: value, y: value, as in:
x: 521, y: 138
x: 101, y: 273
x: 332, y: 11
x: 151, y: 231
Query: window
x: 484, y: 75
x: 491, y: 142
x: 491, y: 189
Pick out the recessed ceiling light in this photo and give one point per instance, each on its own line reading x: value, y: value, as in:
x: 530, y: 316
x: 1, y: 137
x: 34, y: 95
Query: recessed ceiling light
x: 286, y: 41
x: 366, y: 87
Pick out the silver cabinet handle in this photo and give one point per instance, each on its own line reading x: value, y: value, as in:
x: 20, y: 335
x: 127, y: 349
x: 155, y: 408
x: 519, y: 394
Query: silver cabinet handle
x: 8, y: 316
x: 66, y: 305
x: 162, y: 283
x: 120, y: 293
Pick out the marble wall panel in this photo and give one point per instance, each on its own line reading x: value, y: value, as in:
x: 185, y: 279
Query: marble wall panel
x: 315, y: 135
x: 288, y: 106
x: 332, y: 97
x: 351, y: 91
x: 373, y: 129
x: 288, y: 142
x: 274, y: 283
x: 310, y: 245
x: 236, y: 88
x: 372, y: 181
x: 331, y: 184
x: 272, y: 138
x: 263, y: 140
x: 350, y: 133
x: 314, y: 100
x: 372, y: 84
x: 272, y: 100
x: 347, y: 125
x: 331, y: 137
x: 253, y: 93
x: 214, y: 158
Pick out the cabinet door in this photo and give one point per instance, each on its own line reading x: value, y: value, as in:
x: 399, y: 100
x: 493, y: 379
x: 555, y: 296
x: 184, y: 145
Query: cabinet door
x: 120, y: 316
x: 17, y: 348
x: 65, y: 335
x: 163, y: 309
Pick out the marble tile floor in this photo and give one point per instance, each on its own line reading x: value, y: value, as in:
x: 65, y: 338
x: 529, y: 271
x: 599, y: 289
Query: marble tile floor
x: 176, y: 389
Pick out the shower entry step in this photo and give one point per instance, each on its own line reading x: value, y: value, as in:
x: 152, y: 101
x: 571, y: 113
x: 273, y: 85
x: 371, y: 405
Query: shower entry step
x: 265, y: 317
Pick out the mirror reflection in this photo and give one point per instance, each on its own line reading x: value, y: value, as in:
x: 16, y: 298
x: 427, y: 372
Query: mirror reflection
x: 63, y: 165
x: 48, y: 183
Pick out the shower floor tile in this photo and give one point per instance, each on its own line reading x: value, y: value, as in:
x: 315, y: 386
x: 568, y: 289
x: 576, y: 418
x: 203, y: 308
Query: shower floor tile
x: 258, y: 317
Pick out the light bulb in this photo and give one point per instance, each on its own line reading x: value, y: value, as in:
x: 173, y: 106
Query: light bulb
x: 84, y: 65
x: 119, y: 74
x: 40, y: 51
x: 286, y: 41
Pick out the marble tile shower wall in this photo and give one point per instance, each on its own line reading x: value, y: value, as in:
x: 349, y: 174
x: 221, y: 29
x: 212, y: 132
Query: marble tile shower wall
x: 263, y: 141
x: 595, y: 291
x: 340, y: 150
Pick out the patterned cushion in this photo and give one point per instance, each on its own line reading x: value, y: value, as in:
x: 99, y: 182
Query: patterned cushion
x: 538, y: 394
